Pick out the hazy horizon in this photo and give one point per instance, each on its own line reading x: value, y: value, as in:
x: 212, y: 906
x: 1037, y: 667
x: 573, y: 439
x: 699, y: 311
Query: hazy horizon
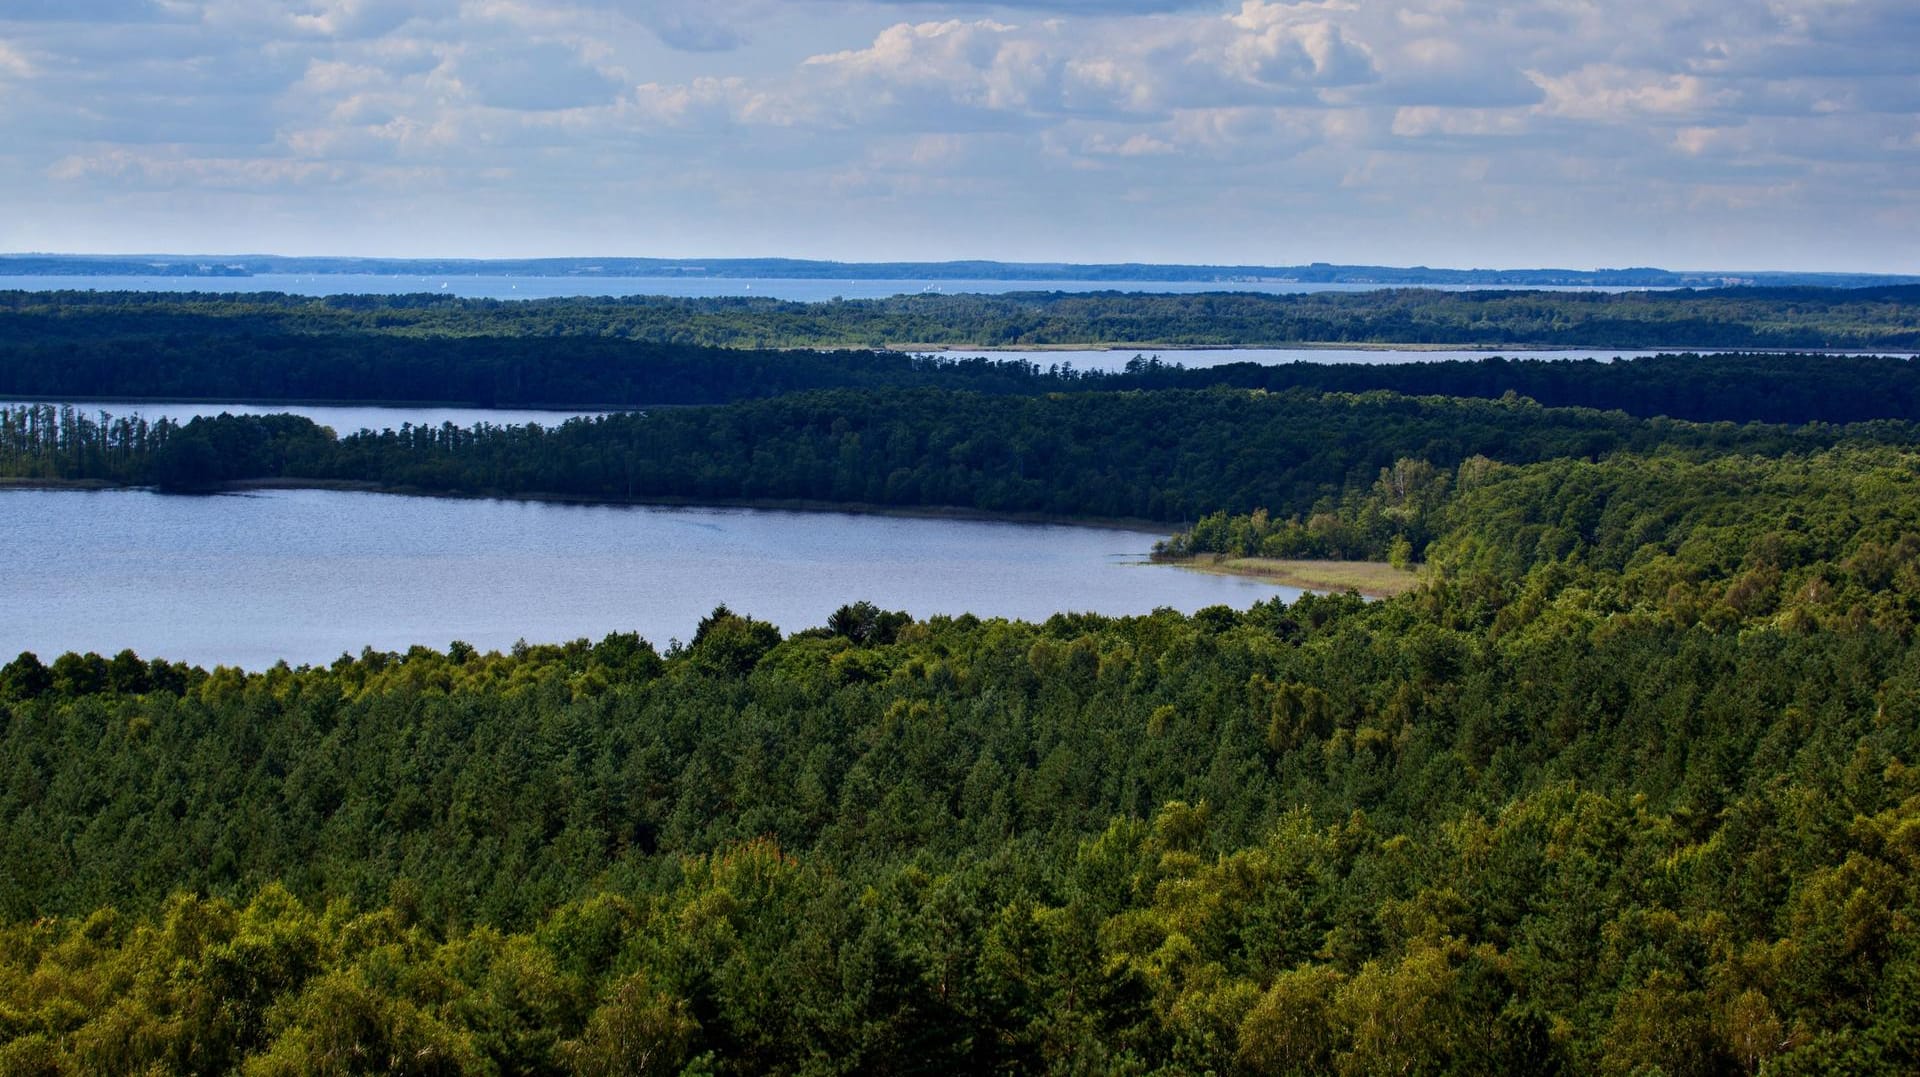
x: 694, y: 259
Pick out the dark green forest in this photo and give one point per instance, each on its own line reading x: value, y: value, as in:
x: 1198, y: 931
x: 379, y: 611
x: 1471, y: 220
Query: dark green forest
x: 1628, y: 785
x: 1164, y: 456
x: 603, y: 353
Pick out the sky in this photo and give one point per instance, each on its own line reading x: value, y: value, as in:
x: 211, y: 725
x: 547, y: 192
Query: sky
x: 1689, y: 134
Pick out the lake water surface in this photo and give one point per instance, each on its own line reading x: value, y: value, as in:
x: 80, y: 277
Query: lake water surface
x: 344, y: 419
x: 802, y: 290
x: 305, y: 575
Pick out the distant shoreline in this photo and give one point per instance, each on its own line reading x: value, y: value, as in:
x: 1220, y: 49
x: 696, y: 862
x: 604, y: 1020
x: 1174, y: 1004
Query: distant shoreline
x: 922, y: 512
x: 567, y: 410
x: 1489, y: 351
x: 218, y: 266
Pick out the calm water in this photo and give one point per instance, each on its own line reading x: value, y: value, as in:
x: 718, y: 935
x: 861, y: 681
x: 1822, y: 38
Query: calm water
x: 344, y: 420
x: 501, y: 287
x: 306, y: 575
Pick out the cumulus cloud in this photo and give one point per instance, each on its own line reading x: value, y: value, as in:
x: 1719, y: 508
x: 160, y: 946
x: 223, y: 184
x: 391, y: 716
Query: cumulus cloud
x: 954, y: 73
x: 1278, y: 45
x: 985, y: 71
x: 1605, y: 92
x: 1019, y: 109
x: 708, y: 103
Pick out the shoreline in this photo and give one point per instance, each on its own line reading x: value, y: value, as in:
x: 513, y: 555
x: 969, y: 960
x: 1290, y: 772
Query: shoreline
x: 852, y: 508
x: 18, y: 483
x: 1374, y: 579
x: 763, y: 504
x: 1290, y: 346
x: 565, y: 410
x: 1487, y: 350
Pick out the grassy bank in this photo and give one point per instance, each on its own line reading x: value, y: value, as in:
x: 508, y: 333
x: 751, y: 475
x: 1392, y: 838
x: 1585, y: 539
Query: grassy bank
x: 1376, y: 579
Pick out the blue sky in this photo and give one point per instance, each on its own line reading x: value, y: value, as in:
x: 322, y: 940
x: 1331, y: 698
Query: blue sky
x: 1750, y: 134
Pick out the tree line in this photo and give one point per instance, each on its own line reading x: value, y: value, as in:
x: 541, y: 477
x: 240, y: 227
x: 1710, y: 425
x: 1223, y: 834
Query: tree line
x: 1747, y: 318
x: 600, y: 353
x: 1167, y: 455
x: 1821, y: 538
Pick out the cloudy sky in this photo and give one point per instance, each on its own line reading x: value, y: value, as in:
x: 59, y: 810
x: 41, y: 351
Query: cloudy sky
x: 1749, y: 134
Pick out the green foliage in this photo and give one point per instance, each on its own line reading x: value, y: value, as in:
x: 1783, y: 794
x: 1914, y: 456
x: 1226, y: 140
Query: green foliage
x: 1719, y: 318
x: 1822, y: 539
x: 1456, y: 831
x: 1169, y: 455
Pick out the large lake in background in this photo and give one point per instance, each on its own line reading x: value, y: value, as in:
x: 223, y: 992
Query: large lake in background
x: 305, y: 575
x: 803, y: 290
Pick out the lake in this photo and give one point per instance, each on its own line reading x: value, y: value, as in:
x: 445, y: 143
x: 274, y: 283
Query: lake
x: 801, y: 290
x: 305, y: 575
x: 344, y: 419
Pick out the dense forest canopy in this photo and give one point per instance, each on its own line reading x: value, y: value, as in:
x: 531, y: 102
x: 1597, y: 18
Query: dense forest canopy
x: 1527, y: 824
x: 1628, y: 785
x: 1169, y: 455
x: 1686, y: 318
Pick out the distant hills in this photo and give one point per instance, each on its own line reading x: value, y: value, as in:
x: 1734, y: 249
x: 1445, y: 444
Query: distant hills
x: 801, y: 269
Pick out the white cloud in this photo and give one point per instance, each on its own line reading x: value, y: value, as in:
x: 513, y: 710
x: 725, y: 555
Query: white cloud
x: 951, y: 114
x: 1610, y: 93
x: 1291, y: 44
x: 706, y: 103
x: 970, y: 64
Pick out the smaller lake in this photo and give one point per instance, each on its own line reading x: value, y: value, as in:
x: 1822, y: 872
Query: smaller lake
x: 344, y: 419
x: 305, y: 575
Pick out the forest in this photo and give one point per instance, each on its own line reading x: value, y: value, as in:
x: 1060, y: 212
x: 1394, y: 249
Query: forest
x: 1627, y: 785
x: 597, y: 354
x: 1547, y: 822
x: 1169, y: 455
x: 1724, y: 318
